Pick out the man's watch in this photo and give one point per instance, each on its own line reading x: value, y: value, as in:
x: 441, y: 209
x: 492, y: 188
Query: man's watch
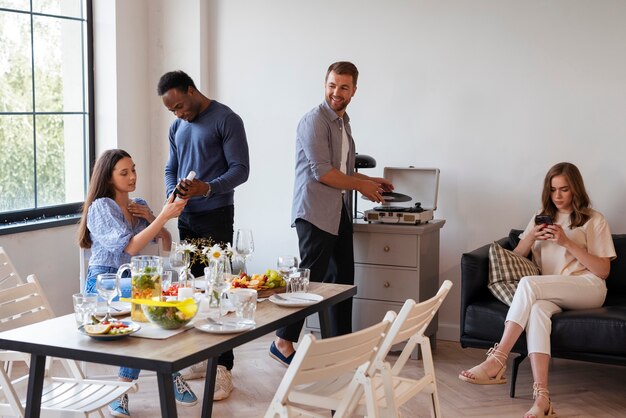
x: 208, y: 192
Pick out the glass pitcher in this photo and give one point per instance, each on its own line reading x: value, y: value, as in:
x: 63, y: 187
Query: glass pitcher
x: 145, y: 273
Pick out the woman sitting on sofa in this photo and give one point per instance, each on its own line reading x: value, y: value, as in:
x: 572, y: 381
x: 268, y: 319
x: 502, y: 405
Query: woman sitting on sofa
x: 573, y: 248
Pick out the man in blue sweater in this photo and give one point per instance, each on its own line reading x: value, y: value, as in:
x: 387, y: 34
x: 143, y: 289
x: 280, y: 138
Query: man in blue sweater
x: 209, y: 138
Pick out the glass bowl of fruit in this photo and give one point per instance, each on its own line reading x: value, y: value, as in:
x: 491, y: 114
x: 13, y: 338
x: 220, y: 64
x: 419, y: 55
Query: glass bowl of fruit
x: 169, y: 315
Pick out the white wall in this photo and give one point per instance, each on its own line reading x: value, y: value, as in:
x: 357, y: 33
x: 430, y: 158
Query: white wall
x: 491, y: 92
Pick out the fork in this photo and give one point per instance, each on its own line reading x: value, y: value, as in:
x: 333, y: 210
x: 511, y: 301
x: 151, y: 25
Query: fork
x: 220, y: 323
x: 292, y: 297
x: 213, y: 321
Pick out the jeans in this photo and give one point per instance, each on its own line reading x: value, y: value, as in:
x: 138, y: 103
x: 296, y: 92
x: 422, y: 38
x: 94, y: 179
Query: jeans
x: 92, y: 273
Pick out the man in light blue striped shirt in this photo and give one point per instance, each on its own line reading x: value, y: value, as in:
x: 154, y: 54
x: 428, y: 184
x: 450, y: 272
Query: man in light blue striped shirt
x: 325, y: 175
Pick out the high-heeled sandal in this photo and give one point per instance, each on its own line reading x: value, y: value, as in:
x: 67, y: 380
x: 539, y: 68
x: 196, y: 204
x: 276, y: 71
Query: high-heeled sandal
x: 535, y: 410
x: 480, y: 375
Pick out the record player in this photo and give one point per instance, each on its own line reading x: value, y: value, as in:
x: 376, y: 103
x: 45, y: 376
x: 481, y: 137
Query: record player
x: 413, y: 200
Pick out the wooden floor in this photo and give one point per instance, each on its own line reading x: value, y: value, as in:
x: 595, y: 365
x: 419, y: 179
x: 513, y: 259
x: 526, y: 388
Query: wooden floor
x: 578, y: 389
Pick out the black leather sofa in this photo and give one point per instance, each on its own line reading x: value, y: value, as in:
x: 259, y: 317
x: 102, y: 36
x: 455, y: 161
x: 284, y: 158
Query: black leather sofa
x: 596, y: 335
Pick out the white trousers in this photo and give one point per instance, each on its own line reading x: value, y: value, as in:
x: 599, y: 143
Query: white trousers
x: 537, y: 298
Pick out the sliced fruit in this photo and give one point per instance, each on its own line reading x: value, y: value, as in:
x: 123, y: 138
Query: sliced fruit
x: 97, y: 329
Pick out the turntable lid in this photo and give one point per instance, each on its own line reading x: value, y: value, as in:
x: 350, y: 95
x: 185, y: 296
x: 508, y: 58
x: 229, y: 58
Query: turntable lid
x: 422, y: 184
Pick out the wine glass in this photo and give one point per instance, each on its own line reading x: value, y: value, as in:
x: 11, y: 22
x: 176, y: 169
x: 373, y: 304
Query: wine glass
x: 244, y: 245
x: 108, y: 286
x: 284, y: 264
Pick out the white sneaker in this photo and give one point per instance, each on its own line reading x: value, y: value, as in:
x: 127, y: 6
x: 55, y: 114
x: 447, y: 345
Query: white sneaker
x: 223, y: 383
x: 195, y: 371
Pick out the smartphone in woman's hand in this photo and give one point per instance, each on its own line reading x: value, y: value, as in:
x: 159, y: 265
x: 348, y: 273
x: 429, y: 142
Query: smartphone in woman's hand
x: 543, y: 219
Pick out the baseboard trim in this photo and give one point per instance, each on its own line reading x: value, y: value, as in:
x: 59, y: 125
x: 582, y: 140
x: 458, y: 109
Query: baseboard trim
x: 448, y: 332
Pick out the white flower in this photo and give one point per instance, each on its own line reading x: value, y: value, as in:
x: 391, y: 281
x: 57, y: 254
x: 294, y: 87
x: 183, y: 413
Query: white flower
x: 187, y: 248
x: 214, y: 252
x: 229, y: 250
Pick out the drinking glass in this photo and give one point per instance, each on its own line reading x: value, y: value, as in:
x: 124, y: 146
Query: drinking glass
x: 284, y: 264
x: 299, y: 279
x: 85, y: 306
x: 244, y: 245
x: 179, y: 261
x: 166, y: 280
x: 245, y: 304
x: 219, y: 279
x: 108, y: 286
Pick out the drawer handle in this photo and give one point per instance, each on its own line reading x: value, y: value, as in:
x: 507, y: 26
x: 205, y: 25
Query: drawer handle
x: 386, y: 248
x: 386, y: 284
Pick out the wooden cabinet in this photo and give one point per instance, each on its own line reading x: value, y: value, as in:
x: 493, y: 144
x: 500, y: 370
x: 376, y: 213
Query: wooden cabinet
x: 392, y: 263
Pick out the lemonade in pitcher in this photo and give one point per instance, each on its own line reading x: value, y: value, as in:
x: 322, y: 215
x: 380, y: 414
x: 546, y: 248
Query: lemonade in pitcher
x: 145, y: 282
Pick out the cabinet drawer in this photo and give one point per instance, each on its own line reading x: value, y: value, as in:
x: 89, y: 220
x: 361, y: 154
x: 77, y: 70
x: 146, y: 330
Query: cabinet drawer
x: 386, y: 249
x: 395, y: 285
x: 366, y: 313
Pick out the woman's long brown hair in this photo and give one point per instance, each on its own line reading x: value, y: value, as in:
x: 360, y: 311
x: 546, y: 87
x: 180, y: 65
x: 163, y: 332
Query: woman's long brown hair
x: 99, y: 186
x: 580, y: 200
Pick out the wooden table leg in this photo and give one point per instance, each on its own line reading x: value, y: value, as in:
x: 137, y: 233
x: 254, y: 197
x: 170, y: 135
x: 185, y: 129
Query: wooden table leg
x: 166, y: 395
x: 209, y: 387
x: 325, y: 325
x: 35, y: 385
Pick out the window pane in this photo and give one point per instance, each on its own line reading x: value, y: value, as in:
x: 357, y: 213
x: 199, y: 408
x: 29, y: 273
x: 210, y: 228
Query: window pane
x: 15, y: 63
x: 15, y: 4
x: 60, y: 159
x: 17, y: 170
x: 58, y: 7
x: 58, y: 65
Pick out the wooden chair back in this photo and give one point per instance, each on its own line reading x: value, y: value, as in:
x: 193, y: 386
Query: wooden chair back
x: 409, y: 326
x: 23, y: 304
x: 9, y: 276
x: 326, y: 360
x: 73, y: 396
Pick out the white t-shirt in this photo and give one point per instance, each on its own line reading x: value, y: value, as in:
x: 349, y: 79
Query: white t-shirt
x: 345, y: 147
x: 594, y: 236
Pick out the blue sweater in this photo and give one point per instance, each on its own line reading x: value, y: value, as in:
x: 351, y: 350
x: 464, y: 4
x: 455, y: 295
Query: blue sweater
x: 213, y: 145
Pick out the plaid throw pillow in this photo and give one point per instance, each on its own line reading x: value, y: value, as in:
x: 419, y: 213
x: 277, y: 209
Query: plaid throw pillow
x: 505, y: 270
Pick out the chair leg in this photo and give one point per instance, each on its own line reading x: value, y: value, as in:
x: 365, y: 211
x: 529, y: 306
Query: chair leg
x: 516, y: 363
x: 429, y: 368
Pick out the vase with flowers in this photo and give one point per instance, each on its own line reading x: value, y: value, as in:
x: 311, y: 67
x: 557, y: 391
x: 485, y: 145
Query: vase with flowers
x: 218, y: 273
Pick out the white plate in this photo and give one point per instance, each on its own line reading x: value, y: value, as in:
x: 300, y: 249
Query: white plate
x: 229, y: 326
x: 117, y: 308
x: 295, y: 300
x: 134, y: 327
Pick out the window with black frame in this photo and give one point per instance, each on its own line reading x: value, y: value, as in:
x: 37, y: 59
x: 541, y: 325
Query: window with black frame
x: 46, y: 128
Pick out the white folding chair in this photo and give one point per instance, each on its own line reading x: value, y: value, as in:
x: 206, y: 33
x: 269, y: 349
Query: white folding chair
x: 319, y: 366
x: 83, y: 255
x: 392, y: 390
x: 72, y: 396
x: 381, y: 391
x: 8, y: 274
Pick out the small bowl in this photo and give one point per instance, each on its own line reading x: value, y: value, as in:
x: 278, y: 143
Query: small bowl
x: 171, y: 317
